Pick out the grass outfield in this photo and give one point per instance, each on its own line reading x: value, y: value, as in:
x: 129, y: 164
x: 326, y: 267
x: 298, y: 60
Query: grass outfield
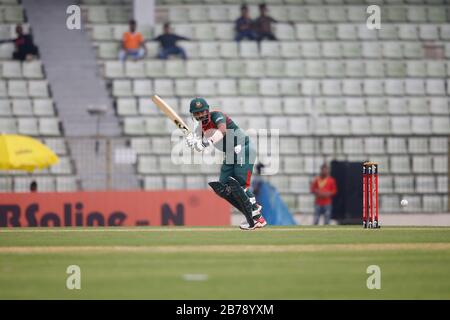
x: 273, y: 263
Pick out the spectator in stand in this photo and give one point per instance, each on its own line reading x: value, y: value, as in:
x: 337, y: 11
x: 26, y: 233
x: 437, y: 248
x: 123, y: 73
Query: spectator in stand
x: 324, y: 188
x: 25, y: 49
x: 33, y: 186
x: 168, y: 42
x: 263, y: 24
x: 132, y: 44
x: 244, y: 26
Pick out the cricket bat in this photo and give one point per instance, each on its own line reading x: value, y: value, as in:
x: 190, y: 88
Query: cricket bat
x: 171, y: 114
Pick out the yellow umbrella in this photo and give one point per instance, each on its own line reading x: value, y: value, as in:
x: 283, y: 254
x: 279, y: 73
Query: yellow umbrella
x: 24, y: 153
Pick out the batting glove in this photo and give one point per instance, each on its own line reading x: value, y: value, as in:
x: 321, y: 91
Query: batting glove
x: 191, y: 140
x: 202, y: 144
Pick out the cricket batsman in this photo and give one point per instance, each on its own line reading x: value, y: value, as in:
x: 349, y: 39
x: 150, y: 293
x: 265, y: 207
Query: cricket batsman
x: 218, y: 130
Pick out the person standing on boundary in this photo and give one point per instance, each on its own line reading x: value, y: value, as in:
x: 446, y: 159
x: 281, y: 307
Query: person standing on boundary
x: 324, y: 188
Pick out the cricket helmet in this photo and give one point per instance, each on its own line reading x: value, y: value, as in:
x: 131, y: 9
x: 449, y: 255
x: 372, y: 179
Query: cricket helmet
x: 198, y: 104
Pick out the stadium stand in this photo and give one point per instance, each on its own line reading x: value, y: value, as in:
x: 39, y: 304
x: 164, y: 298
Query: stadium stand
x: 26, y: 107
x: 378, y: 94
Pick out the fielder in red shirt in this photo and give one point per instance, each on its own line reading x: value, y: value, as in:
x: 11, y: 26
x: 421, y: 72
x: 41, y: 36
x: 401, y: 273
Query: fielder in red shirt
x: 324, y: 188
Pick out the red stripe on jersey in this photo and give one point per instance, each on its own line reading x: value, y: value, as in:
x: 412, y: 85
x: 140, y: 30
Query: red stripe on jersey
x: 249, y: 176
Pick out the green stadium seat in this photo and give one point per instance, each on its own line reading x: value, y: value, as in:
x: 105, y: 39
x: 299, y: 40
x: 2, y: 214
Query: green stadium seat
x: 97, y: 14
x: 49, y: 127
x: 11, y: 69
x: 28, y: 126
x: 32, y: 70
x: 224, y: 31
x: 337, y: 14
x: 205, y: 87
x: 394, y: 87
x: 298, y: 14
x: 122, y: 88
x: 219, y: 13
x: 435, y: 87
x: 275, y: 68
x: 436, y: 14
x: 317, y: 14
x: 164, y: 87
x: 351, y: 50
x: 315, y: 68
x: 178, y: 14
x: 204, y: 32
x: 17, y: 88
x: 155, y: 68
x: 143, y: 88
x: 184, y: 87
x: 248, y: 49
x: 108, y: 50
x: 22, y: 107
x: 388, y: 32
x: 141, y: 145
x: 284, y: 31
x: 418, y: 145
x: 228, y: 49
x: 114, y: 69
x: 290, y: 49
x: 416, y: 14
x: 428, y: 32
x: 5, y: 108
x: 371, y: 49
x: 270, y: 49
x: 326, y: 32
x: 374, y: 69
x: 13, y: 14
x: 209, y: 49
x: 43, y: 107
x: 248, y: 87
x: 102, y: 32
x: 354, y: 106
x: 8, y: 125
x: 354, y: 68
x: 235, y: 68
x: 421, y: 125
x: 227, y: 87
x: 134, y: 126
x: 254, y: 68
x: 376, y: 106
x: 6, y: 50
x: 347, y: 32
x: 413, y: 50
x: 305, y: 31
x: 311, y: 50
x: 214, y: 68
x: 408, y: 32
x: 157, y: 125
x: 439, y: 105
x: 269, y: 87
x: 38, y: 88
x: 126, y: 106
x: 135, y: 69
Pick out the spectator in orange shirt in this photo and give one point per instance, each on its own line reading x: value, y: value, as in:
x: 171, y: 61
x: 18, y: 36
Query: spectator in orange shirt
x: 324, y: 188
x: 132, y: 44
